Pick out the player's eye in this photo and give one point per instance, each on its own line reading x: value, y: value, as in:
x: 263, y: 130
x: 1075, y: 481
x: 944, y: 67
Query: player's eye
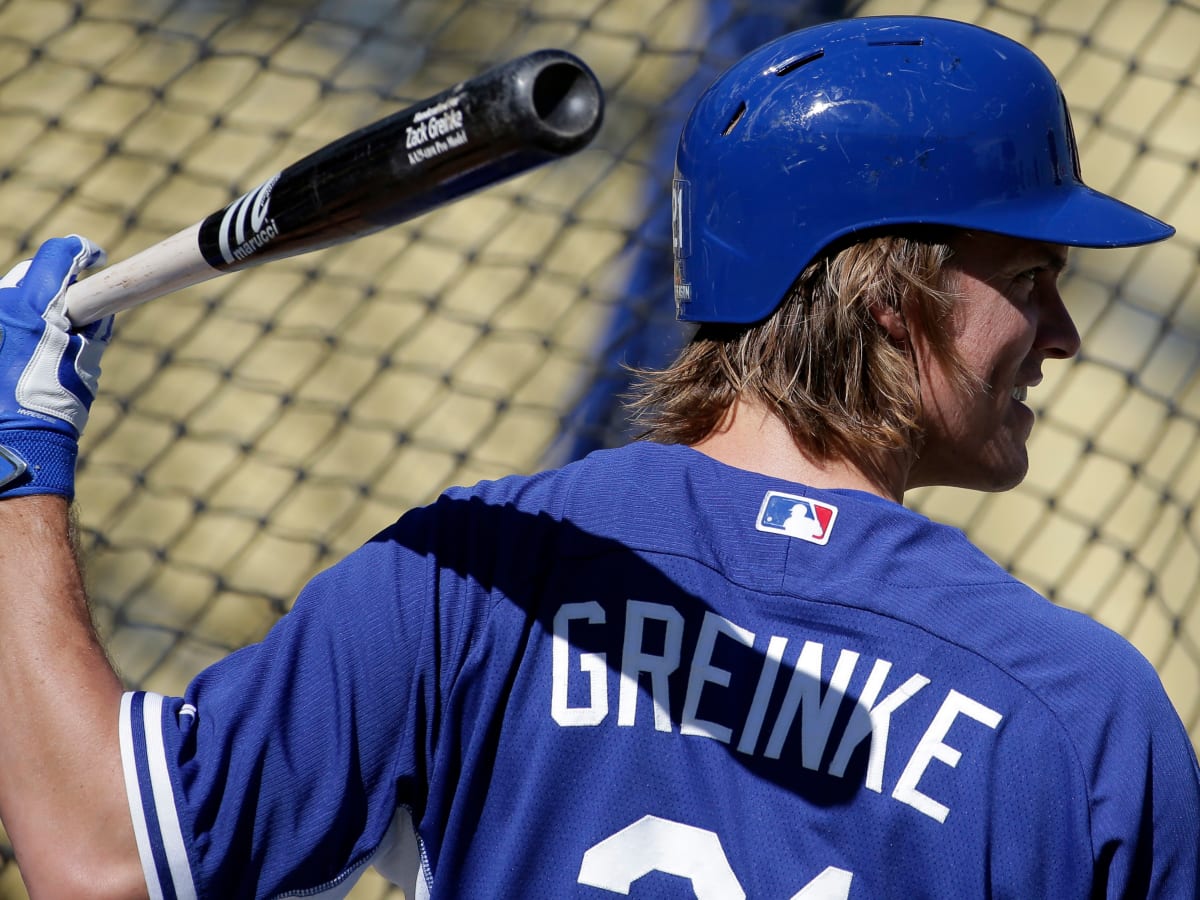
x: 1027, y: 279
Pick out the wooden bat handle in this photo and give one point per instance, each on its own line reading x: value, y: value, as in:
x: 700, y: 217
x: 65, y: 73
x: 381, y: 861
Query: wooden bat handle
x: 170, y: 265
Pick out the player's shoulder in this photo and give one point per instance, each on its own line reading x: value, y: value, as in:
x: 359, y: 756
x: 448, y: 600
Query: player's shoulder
x: 541, y: 499
x: 510, y: 520
x: 953, y: 589
x: 1100, y: 691
x: 927, y: 577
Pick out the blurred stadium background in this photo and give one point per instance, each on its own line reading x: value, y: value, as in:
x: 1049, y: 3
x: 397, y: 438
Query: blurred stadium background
x: 252, y: 430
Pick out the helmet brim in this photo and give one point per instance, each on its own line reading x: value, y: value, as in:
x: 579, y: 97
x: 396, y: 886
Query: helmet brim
x: 1080, y: 217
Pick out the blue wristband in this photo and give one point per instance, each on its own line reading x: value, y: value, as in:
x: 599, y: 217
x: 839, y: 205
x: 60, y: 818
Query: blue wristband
x: 37, y: 462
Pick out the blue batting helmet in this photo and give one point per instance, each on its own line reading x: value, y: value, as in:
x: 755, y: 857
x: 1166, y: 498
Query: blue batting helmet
x: 865, y: 124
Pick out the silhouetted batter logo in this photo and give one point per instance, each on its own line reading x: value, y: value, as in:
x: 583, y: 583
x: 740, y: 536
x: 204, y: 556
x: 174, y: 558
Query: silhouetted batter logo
x: 799, y: 517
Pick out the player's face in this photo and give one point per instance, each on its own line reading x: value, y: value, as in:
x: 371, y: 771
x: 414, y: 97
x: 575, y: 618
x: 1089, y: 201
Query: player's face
x: 1009, y: 319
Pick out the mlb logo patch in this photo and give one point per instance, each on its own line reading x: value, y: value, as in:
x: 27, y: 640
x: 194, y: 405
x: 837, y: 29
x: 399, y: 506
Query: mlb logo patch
x: 799, y: 517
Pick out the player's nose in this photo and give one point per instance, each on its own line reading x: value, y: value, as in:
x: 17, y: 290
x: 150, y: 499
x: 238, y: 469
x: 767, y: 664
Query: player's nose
x: 1057, y: 335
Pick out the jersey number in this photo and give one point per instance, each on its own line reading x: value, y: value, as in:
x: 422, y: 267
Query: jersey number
x: 652, y: 844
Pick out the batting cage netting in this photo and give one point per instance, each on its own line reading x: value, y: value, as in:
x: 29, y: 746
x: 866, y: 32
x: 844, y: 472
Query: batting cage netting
x: 251, y: 430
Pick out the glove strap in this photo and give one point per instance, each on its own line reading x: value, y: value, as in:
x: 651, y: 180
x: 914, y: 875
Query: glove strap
x: 12, y: 467
x: 37, y: 462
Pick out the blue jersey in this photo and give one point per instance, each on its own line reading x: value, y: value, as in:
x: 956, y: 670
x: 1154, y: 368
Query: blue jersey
x: 648, y: 674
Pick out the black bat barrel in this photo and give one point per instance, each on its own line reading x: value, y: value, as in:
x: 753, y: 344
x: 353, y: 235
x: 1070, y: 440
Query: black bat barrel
x: 509, y: 119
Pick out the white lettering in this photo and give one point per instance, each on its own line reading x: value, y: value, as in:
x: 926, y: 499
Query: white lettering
x: 652, y: 844
x: 415, y: 136
x: 818, y: 713
x: 704, y: 672
x: 262, y: 202
x: 447, y: 123
x: 873, y: 719
x: 593, y: 664
x: 762, y: 694
x: 448, y: 103
x: 257, y: 241
x: 933, y: 746
x: 653, y: 649
x: 832, y: 884
x: 635, y: 661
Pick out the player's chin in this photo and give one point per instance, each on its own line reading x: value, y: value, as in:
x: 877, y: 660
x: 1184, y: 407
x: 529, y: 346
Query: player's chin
x: 1004, y: 471
x: 1005, y: 461
x: 999, y: 464
x: 988, y: 472
x: 1009, y: 481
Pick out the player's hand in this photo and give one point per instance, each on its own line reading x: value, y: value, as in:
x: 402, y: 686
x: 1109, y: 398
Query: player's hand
x: 48, y: 374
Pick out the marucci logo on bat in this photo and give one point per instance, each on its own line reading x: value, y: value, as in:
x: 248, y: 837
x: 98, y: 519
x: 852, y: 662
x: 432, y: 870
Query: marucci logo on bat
x: 245, y: 228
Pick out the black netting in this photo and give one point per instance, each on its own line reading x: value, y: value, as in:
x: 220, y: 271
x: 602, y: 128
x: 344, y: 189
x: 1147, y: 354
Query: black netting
x: 253, y: 429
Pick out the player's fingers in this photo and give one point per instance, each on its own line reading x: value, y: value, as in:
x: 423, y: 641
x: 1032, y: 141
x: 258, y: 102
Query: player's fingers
x: 55, y: 265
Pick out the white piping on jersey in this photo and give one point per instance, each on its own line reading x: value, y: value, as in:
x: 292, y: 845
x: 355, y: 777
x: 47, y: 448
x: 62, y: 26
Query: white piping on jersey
x: 399, y: 857
x: 140, y: 830
x: 163, y: 799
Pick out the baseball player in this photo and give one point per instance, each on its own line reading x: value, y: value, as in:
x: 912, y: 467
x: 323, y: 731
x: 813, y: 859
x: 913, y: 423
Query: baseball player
x: 723, y: 662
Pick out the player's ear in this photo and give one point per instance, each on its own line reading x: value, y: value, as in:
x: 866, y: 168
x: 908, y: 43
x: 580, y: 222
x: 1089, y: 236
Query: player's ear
x: 891, y: 320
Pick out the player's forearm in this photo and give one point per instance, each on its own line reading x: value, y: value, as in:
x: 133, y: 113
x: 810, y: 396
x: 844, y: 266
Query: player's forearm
x: 62, y: 795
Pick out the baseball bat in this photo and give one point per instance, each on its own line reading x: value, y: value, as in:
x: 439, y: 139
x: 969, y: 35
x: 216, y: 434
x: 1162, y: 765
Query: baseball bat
x: 518, y: 115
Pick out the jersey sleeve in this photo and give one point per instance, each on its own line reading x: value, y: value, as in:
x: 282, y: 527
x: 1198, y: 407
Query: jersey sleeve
x: 282, y: 767
x: 1145, y: 790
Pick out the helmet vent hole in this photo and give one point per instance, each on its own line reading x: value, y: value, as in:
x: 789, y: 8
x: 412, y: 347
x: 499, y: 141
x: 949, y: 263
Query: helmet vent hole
x: 914, y: 42
x: 793, y: 64
x: 735, y: 118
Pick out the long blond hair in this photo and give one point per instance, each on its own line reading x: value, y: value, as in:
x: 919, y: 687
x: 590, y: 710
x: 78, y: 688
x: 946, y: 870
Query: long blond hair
x: 821, y: 362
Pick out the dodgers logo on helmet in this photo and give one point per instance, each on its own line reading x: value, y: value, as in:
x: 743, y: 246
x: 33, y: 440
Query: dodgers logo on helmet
x: 799, y: 517
x: 681, y: 240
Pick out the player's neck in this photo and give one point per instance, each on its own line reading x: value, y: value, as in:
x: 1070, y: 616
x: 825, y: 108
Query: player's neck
x: 751, y: 438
